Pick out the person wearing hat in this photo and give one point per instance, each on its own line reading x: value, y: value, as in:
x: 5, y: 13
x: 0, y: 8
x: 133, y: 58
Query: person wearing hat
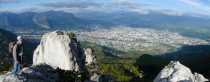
x: 17, y: 53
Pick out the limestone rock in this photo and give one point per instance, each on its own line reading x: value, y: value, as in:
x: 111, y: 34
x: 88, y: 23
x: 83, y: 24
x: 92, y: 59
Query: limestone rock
x: 199, y: 77
x: 58, y: 50
x: 176, y: 72
x: 89, y: 58
x: 91, y: 65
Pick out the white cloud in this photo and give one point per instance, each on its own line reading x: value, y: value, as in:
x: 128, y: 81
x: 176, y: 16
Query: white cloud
x: 7, y: 1
x: 199, y: 6
x: 191, y: 2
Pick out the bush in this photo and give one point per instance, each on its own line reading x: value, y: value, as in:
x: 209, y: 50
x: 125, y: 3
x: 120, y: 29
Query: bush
x: 71, y: 35
x: 122, y: 72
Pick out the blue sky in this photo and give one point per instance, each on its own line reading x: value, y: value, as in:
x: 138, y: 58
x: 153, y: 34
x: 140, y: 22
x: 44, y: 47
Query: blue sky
x: 173, y: 7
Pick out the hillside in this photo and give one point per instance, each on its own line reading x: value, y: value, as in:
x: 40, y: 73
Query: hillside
x: 5, y: 38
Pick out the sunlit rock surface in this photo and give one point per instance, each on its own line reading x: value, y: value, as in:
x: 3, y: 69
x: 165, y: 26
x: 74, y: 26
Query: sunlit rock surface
x: 58, y: 50
x: 176, y: 72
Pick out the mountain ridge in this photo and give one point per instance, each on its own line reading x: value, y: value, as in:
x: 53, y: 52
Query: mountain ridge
x: 61, y: 19
x: 34, y: 20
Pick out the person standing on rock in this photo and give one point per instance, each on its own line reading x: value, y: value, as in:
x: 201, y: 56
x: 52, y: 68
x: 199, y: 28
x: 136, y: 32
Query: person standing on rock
x: 17, y: 52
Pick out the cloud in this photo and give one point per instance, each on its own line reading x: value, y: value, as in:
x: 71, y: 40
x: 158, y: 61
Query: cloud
x: 72, y: 5
x: 196, y: 2
x: 8, y: 1
x: 147, y: 8
x: 115, y: 5
x: 80, y: 6
x: 199, y: 5
x: 191, y: 2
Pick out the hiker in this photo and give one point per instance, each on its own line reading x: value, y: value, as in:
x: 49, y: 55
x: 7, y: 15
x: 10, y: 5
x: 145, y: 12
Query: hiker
x: 17, y: 53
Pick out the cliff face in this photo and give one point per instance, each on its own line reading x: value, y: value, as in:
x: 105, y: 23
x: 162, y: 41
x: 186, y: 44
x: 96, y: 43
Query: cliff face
x: 176, y: 72
x: 59, y: 50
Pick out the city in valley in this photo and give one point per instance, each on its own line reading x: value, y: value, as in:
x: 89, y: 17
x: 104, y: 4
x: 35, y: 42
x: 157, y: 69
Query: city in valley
x: 145, y: 40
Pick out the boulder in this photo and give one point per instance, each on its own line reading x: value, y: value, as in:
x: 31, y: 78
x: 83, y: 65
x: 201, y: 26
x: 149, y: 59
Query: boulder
x: 176, y: 72
x: 59, y: 50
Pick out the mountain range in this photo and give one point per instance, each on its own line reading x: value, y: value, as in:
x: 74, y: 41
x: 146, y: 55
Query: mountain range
x: 44, y: 20
x: 51, y: 20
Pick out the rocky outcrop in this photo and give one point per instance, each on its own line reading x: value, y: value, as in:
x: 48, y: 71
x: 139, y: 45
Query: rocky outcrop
x: 176, y: 72
x: 62, y: 50
x: 91, y: 65
x: 89, y: 57
x: 59, y: 50
x: 41, y: 73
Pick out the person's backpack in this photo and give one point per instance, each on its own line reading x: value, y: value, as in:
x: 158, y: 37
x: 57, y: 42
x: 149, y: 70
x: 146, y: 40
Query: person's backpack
x: 11, y: 45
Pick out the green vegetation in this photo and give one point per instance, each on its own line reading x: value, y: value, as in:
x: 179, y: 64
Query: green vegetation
x: 122, y: 69
x: 71, y: 35
x: 134, y: 67
x: 122, y: 72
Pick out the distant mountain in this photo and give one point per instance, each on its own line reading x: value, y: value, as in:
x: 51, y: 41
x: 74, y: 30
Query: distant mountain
x: 43, y: 20
x: 51, y: 20
x: 60, y: 19
x: 188, y: 25
x: 150, y: 20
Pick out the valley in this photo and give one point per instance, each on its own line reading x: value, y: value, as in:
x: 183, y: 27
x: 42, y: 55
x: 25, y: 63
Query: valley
x: 145, y: 41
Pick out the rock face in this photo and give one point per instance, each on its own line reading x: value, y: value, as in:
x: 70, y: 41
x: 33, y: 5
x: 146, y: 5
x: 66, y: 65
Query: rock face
x: 59, y: 50
x: 176, y: 72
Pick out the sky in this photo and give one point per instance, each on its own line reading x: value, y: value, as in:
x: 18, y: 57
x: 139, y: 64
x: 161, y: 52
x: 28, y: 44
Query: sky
x: 171, y: 7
